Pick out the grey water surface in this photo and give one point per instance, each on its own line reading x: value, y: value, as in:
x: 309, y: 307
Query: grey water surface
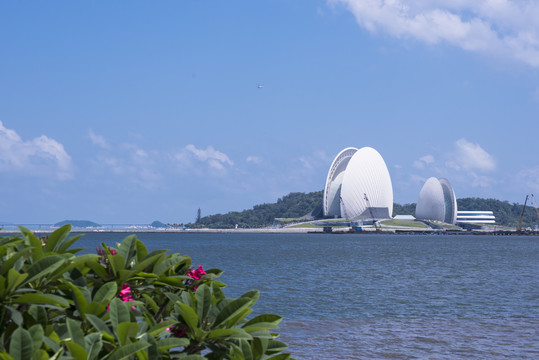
x: 359, y: 296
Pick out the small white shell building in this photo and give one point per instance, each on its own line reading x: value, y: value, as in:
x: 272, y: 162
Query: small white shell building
x: 358, y: 185
x: 437, y: 201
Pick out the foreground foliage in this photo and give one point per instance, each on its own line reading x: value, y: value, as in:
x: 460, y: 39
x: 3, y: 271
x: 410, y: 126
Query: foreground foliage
x: 122, y: 303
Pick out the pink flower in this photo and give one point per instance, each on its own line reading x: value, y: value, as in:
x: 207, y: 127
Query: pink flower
x: 196, y: 274
x: 125, y: 295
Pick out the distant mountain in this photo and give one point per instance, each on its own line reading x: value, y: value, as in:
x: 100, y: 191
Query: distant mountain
x: 78, y: 223
x: 158, y: 224
x: 297, y: 205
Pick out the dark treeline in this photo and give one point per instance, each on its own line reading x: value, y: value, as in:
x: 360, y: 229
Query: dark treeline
x: 297, y: 205
x: 506, y: 214
x: 293, y: 205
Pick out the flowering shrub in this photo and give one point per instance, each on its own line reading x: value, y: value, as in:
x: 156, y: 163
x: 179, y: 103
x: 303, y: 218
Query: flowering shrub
x: 121, y: 303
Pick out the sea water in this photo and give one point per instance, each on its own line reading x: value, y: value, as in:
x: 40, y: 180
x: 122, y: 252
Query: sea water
x: 360, y: 296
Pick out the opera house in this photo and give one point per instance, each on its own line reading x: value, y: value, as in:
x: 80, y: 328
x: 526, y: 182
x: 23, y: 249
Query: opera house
x: 358, y: 186
x: 437, y: 201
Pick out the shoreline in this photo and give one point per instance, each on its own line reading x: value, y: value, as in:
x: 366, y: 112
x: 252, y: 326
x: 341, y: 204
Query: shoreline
x: 298, y: 230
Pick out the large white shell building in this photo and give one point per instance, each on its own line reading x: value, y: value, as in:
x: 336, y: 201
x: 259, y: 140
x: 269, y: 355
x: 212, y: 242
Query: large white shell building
x: 358, y: 186
x: 437, y: 201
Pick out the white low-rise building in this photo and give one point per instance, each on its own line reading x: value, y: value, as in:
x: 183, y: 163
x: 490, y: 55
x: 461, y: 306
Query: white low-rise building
x: 476, y: 217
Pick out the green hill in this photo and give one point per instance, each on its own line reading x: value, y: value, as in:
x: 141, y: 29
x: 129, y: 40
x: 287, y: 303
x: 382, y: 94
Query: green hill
x: 78, y: 223
x: 296, y: 205
x: 293, y: 205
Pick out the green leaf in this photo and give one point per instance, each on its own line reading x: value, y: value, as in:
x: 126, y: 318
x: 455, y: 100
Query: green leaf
x: 40, y: 354
x: 280, y: 357
x: 246, y: 350
x: 21, y: 346
x: 98, y: 268
x: 189, y: 316
x: 93, y: 345
x: 14, y: 279
x: 264, y: 318
x: 142, y: 252
x: 44, y: 266
x: 170, y: 263
x: 146, y: 262
x: 34, y: 298
x: 275, y: 346
x: 160, y: 327
x: 260, y: 326
x: 151, y: 303
x: 172, y: 281
x: 125, y: 351
x: 98, y: 324
x: 39, y: 314
x: 218, y: 294
x: 106, y: 293
x: 253, y: 295
x: 119, y: 313
x: 193, y: 357
x: 56, y: 237
x: 236, y: 334
x: 117, y: 262
x: 96, y: 308
x: 127, y: 248
x: 10, y: 261
x: 236, y: 307
x: 203, y: 297
x: 58, y: 354
x: 37, y: 334
x: 35, y: 243
x: 77, y: 352
x: 126, y: 330
x: 79, y: 299
x: 67, y: 244
x: 152, y: 351
x: 75, y: 332
x: 170, y: 342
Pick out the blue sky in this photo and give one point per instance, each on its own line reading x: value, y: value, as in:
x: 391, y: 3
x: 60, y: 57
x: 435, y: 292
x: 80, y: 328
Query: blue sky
x: 134, y: 111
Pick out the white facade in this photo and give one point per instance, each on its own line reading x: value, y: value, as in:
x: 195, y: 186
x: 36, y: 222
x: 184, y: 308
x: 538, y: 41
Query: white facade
x: 476, y: 217
x: 437, y: 201
x: 358, y: 184
x: 332, y: 191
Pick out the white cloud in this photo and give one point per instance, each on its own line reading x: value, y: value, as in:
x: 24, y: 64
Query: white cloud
x: 98, y: 140
x: 215, y: 159
x: 254, y: 159
x: 507, y: 28
x: 134, y: 165
x: 37, y: 157
x: 469, y: 156
x: 424, y: 161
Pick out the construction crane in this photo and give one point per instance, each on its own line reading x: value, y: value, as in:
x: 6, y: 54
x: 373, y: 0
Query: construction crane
x: 535, y: 204
x: 522, y: 215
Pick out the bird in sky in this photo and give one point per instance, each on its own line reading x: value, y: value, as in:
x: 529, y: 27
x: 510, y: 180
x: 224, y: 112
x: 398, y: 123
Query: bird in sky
x: 260, y: 86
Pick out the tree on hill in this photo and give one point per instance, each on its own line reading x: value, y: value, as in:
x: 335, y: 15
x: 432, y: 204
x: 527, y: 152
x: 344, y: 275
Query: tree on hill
x: 506, y: 214
x: 296, y: 205
x: 406, y: 209
x: 293, y: 205
x: 78, y: 223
